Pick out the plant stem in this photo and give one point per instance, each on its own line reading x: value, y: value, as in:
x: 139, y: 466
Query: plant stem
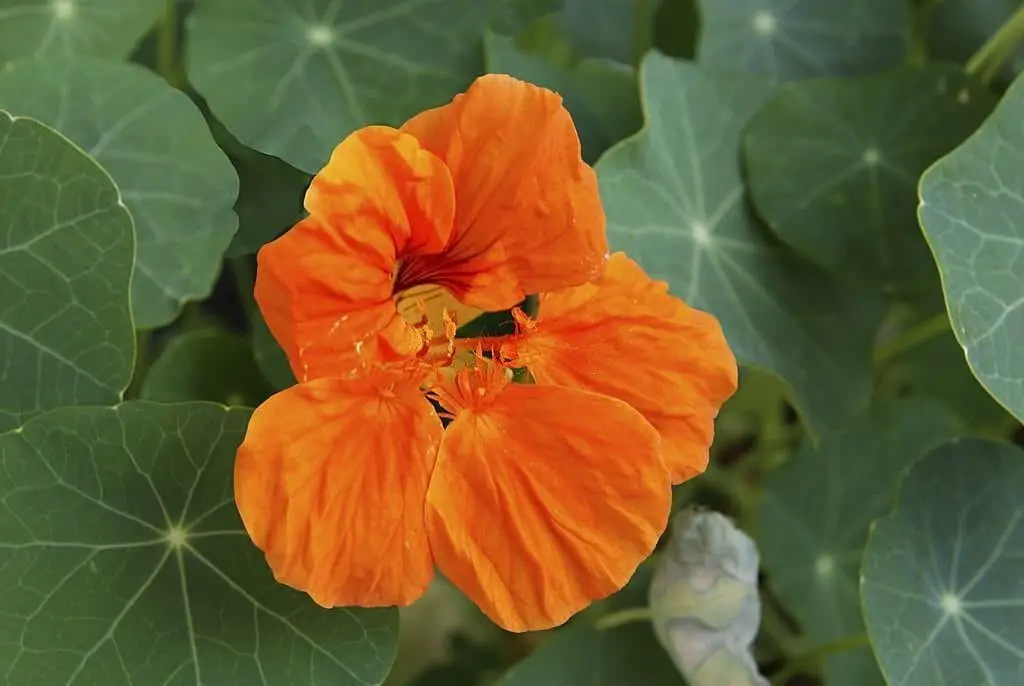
x: 167, y: 44
x: 918, y: 52
x: 627, y: 616
x: 816, y: 655
x: 990, y: 57
x: 915, y: 336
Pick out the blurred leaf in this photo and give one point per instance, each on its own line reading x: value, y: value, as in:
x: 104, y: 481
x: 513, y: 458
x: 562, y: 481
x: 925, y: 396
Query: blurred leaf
x: 972, y: 214
x: 676, y: 25
x: 176, y: 182
x: 270, y: 358
x: 814, y: 517
x: 321, y: 69
x: 206, y: 364
x: 941, y: 580
x: 617, y: 30
x: 957, y: 28
x: 674, y: 199
x: 66, y: 246
x: 270, y: 201
x: 131, y: 565
x: 793, y: 40
x: 601, y: 96
x: 105, y: 28
x: 833, y: 167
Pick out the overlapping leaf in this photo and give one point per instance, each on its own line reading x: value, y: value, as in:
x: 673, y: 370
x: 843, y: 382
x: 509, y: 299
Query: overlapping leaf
x: 105, y: 28
x: 66, y: 246
x: 675, y: 201
x: 600, y: 95
x: 618, y: 30
x: 176, y: 182
x: 125, y: 562
x: 293, y: 79
x: 941, y: 581
x: 793, y: 39
x: 814, y: 518
x: 833, y: 166
x: 972, y: 214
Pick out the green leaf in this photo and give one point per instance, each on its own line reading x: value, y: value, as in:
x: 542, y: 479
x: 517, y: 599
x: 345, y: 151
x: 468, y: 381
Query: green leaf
x: 957, y: 28
x: 129, y: 564
x: 206, y: 364
x: 323, y: 68
x: 941, y: 581
x: 270, y: 358
x: 270, y: 201
x: 674, y: 199
x: 813, y: 521
x: 833, y: 165
x: 600, y: 95
x: 582, y: 655
x: 105, y: 28
x: 66, y: 246
x: 972, y: 214
x: 793, y: 40
x: 618, y: 30
x: 176, y: 182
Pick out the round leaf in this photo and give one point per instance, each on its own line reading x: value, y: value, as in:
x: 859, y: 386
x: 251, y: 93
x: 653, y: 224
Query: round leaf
x: 127, y: 562
x: 207, y: 364
x: 941, y: 581
x: 833, y: 166
x: 105, y: 28
x: 66, y: 246
x: 178, y: 185
x: 675, y: 202
x: 813, y: 521
x: 972, y: 214
x: 293, y: 79
x: 789, y: 39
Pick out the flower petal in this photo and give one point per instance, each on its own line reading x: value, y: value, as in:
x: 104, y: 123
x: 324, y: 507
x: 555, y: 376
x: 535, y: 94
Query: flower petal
x: 331, y: 481
x: 325, y: 287
x: 543, y: 500
x: 625, y: 336
x: 528, y: 216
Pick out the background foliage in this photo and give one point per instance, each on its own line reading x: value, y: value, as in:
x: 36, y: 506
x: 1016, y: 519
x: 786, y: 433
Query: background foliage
x: 840, y: 183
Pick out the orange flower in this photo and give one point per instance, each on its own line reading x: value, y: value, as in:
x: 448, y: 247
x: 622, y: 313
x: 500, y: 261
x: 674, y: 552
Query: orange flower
x: 536, y: 499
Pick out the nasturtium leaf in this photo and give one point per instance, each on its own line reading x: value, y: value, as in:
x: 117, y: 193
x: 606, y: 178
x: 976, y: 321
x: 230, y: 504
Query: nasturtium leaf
x: 674, y: 199
x: 794, y: 39
x: 125, y: 562
x: 618, y: 30
x: 270, y: 201
x: 293, y: 79
x: 600, y: 95
x: 813, y: 521
x: 957, y: 28
x: 941, y: 580
x: 66, y: 247
x: 178, y: 185
x: 206, y: 364
x: 972, y: 214
x: 270, y: 358
x: 105, y: 28
x: 832, y: 166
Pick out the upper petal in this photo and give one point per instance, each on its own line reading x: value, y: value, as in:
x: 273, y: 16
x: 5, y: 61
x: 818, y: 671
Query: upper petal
x: 625, y: 336
x: 528, y: 214
x: 331, y: 481
x: 543, y: 500
x: 325, y: 287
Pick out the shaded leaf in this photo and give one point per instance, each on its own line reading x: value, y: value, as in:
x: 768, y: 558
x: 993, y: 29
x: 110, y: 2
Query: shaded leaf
x: 176, y: 182
x: 674, y: 199
x: 957, y: 28
x: 206, y: 364
x: 618, y: 30
x: 129, y: 563
x: 941, y: 581
x: 833, y: 166
x: 105, y: 28
x: 814, y: 517
x: 66, y: 246
x: 972, y: 214
x: 793, y: 39
x: 600, y: 95
x: 323, y: 68
x: 270, y: 201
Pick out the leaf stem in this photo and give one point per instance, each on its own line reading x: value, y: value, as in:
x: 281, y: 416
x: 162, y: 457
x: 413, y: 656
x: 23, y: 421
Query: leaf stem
x: 915, y: 336
x: 627, y: 616
x: 816, y: 655
x: 990, y: 57
x: 167, y: 44
x: 918, y: 52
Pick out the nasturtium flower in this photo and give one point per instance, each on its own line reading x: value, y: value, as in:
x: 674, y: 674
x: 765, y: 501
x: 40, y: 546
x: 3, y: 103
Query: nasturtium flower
x: 536, y: 498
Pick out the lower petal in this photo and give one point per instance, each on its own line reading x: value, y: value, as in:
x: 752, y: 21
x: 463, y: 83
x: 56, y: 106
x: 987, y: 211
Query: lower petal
x: 543, y: 500
x: 330, y: 482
